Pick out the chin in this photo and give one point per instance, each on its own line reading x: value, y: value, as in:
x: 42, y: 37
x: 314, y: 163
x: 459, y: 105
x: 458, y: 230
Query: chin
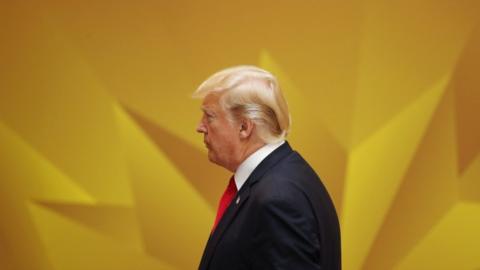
x: 213, y: 159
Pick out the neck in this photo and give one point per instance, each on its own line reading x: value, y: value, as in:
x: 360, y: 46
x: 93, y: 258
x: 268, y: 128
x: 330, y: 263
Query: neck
x: 245, y: 151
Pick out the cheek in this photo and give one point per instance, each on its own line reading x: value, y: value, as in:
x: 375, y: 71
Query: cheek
x: 218, y: 142
x: 220, y: 135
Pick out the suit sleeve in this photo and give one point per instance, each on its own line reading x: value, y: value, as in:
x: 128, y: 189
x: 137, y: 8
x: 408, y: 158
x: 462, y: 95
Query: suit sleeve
x: 286, y: 234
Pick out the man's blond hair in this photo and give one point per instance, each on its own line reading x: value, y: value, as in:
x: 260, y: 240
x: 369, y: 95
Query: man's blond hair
x: 252, y: 93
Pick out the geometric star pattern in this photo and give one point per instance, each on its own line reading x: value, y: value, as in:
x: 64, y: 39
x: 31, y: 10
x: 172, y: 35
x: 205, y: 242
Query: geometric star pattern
x: 101, y: 168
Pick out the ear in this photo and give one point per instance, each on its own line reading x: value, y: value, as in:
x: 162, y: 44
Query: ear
x: 246, y: 128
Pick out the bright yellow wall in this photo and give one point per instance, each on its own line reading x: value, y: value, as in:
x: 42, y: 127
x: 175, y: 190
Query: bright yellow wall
x: 100, y: 166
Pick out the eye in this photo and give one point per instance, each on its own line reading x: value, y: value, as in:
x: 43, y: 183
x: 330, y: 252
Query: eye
x: 209, y: 117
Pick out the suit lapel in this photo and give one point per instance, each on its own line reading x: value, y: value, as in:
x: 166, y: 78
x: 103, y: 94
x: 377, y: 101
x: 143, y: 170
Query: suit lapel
x: 240, y: 199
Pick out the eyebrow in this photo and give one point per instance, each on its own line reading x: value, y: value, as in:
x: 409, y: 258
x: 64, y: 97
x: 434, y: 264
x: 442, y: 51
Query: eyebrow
x: 206, y: 110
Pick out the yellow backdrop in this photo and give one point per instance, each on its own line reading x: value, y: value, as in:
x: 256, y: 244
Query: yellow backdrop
x: 101, y: 168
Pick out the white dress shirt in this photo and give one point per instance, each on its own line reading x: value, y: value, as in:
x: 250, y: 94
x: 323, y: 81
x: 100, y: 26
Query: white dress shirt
x: 250, y: 163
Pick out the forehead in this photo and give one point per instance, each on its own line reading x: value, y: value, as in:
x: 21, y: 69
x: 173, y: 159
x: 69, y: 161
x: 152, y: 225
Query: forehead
x: 211, y: 102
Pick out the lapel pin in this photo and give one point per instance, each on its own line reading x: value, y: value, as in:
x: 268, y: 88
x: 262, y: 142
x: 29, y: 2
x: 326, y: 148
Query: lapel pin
x: 238, y: 200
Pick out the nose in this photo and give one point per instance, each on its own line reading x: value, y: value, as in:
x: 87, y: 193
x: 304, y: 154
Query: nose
x: 201, y: 127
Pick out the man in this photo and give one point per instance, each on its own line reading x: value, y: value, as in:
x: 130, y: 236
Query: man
x: 275, y: 212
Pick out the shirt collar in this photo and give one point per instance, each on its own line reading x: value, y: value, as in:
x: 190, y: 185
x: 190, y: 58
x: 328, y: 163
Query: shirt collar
x: 250, y: 163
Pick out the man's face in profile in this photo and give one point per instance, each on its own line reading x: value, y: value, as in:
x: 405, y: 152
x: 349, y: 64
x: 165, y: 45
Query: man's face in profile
x: 219, y: 133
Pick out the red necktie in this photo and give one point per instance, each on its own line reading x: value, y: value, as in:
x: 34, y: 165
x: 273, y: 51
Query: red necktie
x: 227, y: 198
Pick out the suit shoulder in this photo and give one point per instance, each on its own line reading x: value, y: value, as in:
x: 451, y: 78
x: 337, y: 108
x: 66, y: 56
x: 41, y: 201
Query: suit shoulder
x: 292, y: 172
x: 287, y: 180
x: 293, y: 180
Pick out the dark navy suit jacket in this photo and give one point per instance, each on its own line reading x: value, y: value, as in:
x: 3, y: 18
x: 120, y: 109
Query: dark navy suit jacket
x: 282, y: 218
